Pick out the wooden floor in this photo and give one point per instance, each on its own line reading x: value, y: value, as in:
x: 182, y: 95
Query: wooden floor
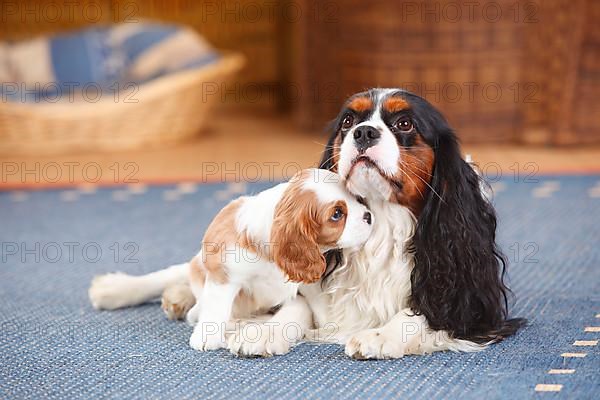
x: 250, y: 147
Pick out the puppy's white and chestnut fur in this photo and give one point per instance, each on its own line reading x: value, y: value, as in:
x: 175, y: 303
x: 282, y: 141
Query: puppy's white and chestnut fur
x: 254, y: 256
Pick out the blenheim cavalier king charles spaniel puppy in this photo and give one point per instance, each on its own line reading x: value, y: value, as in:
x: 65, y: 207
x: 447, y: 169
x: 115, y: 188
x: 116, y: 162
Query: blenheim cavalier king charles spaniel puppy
x: 254, y: 256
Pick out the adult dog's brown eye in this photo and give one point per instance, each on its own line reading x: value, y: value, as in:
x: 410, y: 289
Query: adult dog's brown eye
x: 347, y: 122
x: 404, y: 125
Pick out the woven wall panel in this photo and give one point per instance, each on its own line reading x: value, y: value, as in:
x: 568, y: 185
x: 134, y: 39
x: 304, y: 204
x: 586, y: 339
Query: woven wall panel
x: 563, y: 56
x: 548, y: 63
x: 378, y: 43
x: 544, y: 57
x: 585, y: 126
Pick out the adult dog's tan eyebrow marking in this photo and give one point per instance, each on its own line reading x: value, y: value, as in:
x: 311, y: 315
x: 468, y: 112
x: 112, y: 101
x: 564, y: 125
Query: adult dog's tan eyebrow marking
x: 361, y: 104
x: 394, y: 104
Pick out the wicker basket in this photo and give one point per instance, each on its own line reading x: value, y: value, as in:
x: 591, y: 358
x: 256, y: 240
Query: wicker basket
x: 164, y: 110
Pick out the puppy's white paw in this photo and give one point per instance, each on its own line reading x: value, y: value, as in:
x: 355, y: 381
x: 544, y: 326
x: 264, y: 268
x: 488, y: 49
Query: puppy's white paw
x: 202, y: 342
x: 374, y: 344
x: 193, y: 315
x: 255, y: 339
x: 112, y: 291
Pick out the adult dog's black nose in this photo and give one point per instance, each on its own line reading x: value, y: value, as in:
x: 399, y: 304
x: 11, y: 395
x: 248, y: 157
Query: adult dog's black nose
x: 365, y: 136
x: 367, y: 217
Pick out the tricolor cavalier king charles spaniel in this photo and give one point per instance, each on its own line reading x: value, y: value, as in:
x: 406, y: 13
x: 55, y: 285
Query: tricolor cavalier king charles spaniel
x: 429, y: 277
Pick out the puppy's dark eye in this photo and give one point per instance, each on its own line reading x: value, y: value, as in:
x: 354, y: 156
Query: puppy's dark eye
x: 347, y: 122
x: 404, y: 124
x: 338, y: 214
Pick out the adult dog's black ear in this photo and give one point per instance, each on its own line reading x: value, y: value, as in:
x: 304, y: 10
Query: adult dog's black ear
x: 457, y: 281
x: 333, y: 258
x: 329, y: 157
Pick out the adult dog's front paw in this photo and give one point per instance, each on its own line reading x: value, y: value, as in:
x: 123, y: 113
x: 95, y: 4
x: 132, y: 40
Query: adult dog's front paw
x: 256, y: 339
x: 374, y: 344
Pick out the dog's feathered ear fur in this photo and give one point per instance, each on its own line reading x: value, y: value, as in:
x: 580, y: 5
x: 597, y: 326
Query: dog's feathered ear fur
x: 294, y: 238
x: 457, y: 282
x: 333, y: 258
x: 327, y: 159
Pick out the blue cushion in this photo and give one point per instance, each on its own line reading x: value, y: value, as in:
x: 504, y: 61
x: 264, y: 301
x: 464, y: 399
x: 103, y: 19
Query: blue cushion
x: 108, y: 59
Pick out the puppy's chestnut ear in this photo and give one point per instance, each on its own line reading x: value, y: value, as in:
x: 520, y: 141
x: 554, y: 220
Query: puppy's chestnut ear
x: 294, y: 237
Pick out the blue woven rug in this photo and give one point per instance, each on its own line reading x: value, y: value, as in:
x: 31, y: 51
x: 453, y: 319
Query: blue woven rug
x: 54, y: 345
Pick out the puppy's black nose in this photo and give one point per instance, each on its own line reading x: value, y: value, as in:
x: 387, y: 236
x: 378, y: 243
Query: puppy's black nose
x: 367, y: 217
x: 365, y: 137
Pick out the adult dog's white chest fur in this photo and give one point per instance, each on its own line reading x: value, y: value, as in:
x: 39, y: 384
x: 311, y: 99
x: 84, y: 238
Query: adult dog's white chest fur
x: 373, y: 284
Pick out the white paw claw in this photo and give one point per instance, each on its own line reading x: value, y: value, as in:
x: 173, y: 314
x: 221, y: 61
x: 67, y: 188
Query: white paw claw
x: 373, y: 344
x: 257, y: 340
x: 210, y: 342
